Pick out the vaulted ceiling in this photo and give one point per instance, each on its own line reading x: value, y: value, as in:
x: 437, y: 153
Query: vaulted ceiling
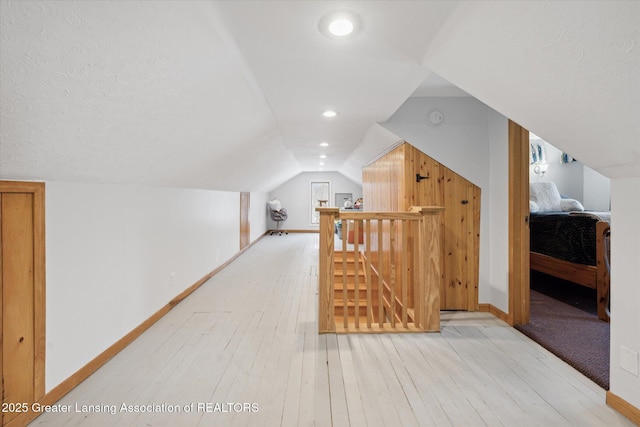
x: 228, y: 95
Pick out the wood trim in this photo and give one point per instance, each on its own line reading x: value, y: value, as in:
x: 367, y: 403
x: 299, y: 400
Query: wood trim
x: 624, y: 407
x: 37, y: 189
x: 245, y: 225
x: 1, y: 315
x: 519, y: 292
x: 96, y: 363
x: 490, y: 308
x: 39, y: 248
x: 473, y: 294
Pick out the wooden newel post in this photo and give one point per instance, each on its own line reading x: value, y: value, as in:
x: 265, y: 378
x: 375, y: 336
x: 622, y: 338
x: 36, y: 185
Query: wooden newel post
x: 326, y: 323
x: 429, y: 274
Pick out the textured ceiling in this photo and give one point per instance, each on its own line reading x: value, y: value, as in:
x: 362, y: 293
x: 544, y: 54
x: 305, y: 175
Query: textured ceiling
x: 228, y: 95
x: 222, y: 95
x: 133, y: 92
x: 567, y: 71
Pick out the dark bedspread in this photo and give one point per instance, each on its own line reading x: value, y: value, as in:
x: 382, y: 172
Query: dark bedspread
x: 564, y: 236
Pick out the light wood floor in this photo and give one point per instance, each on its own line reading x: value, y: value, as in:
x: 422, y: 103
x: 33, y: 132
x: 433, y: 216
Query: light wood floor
x: 249, y: 335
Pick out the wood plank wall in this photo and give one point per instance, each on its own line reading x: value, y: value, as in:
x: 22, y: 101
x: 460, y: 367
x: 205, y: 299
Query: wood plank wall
x: 384, y: 190
x: 390, y: 184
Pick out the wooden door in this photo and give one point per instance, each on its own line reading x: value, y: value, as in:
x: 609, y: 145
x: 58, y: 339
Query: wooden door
x: 460, y: 223
x: 455, y: 286
x: 22, y: 296
x: 245, y: 230
x: 427, y: 189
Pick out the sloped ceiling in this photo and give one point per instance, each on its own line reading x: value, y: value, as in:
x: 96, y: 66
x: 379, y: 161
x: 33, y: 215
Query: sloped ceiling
x: 228, y: 95
x: 567, y: 71
x: 224, y: 95
x: 149, y: 92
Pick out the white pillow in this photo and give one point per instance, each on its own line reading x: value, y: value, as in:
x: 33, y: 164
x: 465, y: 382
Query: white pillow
x: 274, y: 205
x: 533, y: 207
x: 545, y: 195
x: 568, y: 205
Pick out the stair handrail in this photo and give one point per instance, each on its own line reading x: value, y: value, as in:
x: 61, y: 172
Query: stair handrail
x: 427, y: 249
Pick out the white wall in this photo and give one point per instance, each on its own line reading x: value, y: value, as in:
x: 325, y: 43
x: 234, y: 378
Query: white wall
x: 257, y: 218
x: 575, y: 180
x: 495, y: 290
x: 597, y: 191
x: 296, y: 198
x: 110, y: 252
x: 567, y: 177
x: 460, y: 142
x: 625, y: 284
x: 472, y: 141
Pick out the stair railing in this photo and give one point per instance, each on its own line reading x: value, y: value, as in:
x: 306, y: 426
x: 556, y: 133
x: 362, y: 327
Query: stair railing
x: 398, y: 253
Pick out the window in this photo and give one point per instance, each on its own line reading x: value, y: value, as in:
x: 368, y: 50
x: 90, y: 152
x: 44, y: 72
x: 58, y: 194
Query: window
x: 320, y: 191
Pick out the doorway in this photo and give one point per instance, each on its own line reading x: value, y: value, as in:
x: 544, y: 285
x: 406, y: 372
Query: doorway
x: 565, y: 328
x: 22, y: 296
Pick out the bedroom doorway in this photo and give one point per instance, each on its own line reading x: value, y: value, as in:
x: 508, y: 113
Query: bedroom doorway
x: 559, y: 316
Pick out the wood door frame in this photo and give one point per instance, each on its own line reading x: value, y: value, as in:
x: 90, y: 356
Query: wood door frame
x: 245, y: 226
x: 37, y: 189
x: 519, y: 266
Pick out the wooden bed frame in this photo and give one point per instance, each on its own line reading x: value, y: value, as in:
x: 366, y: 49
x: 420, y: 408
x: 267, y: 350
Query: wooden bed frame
x: 594, y: 277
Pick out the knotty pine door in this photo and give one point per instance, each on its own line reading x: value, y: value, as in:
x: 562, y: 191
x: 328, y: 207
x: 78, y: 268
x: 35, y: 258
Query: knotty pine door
x: 22, y: 296
x: 460, y: 225
x: 459, y: 289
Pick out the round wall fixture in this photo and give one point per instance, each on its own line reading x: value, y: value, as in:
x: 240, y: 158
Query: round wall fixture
x: 435, y: 117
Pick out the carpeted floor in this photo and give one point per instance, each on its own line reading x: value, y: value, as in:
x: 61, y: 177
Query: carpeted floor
x: 564, y: 321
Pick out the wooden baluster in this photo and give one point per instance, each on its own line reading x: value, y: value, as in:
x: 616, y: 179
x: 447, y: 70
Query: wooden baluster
x: 403, y: 266
x: 356, y: 257
x: 392, y: 271
x: 345, y: 293
x: 368, y: 272
x: 381, y: 316
x: 326, y: 320
x: 417, y: 285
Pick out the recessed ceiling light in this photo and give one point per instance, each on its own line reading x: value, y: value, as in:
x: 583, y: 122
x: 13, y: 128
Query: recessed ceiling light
x: 329, y: 113
x: 322, y: 156
x: 324, y: 144
x: 321, y: 163
x: 341, y: 27
x: 342, y: 24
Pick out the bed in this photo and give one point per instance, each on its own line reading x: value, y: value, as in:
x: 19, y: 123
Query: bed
x: 570, y: 243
